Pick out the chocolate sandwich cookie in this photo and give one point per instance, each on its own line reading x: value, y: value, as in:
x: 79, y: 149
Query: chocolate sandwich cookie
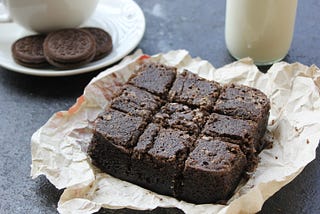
x: 69, y: 48
x: 103, y: 41
x: 28, y: 51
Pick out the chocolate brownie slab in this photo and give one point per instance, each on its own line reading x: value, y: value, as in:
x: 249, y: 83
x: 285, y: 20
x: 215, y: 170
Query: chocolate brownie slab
x: 192, y: 90
x: 136, y: 102
x: 155, y: 78
x: 182, y: 117
x: 151, y: 141
x: 245, y: 103
x: 115, y: 134
x: 212, y: 171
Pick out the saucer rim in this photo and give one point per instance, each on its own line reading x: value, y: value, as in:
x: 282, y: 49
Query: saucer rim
x: 11, y: 65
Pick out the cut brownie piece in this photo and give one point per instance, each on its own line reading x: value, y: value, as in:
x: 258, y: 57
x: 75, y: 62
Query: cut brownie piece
x: 245, y: 103
x: 136, y: 102
x: 159, y: 167
x: 182, y: 117
x: 146, y: 140
x: 115, y: 134
x: 120, y: 128
x: 245, y: 133
x: 155, y: 78
x: 212, y: 171
x: 108, y: 157
x: 192, y: 90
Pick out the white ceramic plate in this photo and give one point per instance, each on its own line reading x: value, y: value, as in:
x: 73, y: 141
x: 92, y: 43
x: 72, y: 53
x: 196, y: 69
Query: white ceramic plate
x: 123, y: 19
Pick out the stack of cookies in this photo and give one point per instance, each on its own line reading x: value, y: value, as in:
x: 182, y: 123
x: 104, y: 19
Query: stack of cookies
x: 63, y: 49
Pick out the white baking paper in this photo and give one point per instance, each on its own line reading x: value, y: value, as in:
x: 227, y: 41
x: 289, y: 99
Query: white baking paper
x: 59, y: 147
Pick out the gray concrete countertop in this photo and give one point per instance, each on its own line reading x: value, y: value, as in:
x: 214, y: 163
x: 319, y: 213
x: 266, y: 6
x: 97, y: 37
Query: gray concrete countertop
x: 26, y: 102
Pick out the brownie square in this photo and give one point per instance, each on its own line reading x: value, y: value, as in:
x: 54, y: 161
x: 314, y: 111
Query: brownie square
x: 155, y: 78
x: 192, y: 90
x: 245, y: 133
x: 182, y: 117
x: 136, y: 102
x: 114, y: 135
x: 146, y: 140
x: 245, y: 103
x: 120, y: 128
x: 108, y: 157
x: 235, y: 130
x: 159, y: 167
x: 212, y: 171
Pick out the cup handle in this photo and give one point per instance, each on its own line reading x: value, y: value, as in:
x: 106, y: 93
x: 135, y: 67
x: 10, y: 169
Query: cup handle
x: 4, y: 13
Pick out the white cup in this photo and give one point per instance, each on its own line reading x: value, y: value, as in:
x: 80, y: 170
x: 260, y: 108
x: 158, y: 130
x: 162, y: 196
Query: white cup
x: 47, y: 15
x: 260, y: 29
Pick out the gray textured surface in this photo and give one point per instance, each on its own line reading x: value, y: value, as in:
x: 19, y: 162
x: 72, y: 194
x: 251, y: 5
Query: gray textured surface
x: 27, y: 102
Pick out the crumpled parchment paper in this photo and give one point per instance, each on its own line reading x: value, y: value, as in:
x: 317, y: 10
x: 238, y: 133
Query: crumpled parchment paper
x: 59, y: 147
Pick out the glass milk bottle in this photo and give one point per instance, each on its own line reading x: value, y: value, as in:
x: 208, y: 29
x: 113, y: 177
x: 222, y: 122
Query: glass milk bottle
x: 260, y: 29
